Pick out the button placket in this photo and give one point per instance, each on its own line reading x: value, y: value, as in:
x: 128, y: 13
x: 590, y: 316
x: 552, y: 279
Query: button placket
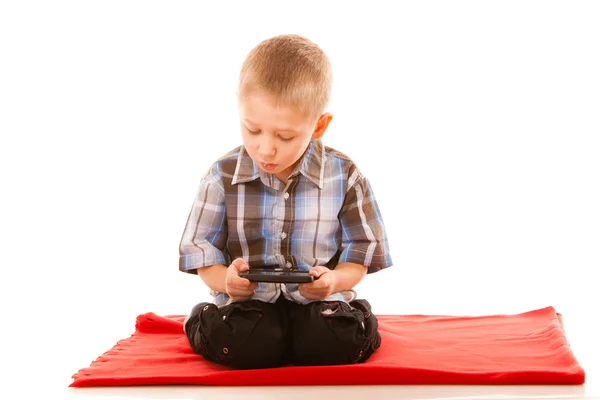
x: 277, y: 226
x: 282, y: 213
x: 286, y: 226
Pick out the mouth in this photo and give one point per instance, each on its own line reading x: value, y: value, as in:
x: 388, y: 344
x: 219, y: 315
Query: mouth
x: 268, y: 166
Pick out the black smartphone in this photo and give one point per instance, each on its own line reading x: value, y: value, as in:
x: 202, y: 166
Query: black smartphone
x: 276, y: 276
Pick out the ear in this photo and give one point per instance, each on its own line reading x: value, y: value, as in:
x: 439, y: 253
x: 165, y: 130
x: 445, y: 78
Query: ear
x: 322, y: 125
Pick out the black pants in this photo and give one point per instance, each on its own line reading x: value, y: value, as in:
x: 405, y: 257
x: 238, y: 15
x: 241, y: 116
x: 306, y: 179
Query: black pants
x: 254, y: 334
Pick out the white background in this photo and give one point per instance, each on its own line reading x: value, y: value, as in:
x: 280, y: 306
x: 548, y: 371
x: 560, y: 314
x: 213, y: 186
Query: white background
x: 476, y: 122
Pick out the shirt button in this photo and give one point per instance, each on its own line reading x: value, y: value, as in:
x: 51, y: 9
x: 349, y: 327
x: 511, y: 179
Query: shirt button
x: 283, y: 235
x: 288, y: 264
x: 286, y: 195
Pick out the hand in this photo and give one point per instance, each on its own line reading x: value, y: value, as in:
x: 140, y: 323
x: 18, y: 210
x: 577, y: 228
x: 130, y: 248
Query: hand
x: 239, y: 289
x: 322, y: 287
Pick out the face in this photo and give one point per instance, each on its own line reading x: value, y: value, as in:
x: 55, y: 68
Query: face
x: 276, y: 137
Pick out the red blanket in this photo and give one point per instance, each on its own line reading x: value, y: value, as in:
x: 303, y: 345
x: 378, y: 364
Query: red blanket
x: 529, y: 348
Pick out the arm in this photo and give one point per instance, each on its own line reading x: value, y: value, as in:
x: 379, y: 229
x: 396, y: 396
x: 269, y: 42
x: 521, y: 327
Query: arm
x: 348, y: 275
x: 364, y: 245
x: 364, y: 238
x: 214, y: 277
x: 204, y: 239
x: 205, y: 234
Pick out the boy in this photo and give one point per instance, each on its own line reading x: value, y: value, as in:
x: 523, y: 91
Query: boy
x: 284, y: 200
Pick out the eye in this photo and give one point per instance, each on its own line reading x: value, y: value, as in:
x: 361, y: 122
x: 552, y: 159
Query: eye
x: 286, y: 139
x: 253, y: 132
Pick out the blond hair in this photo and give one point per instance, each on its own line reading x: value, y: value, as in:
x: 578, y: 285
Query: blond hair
x: 292, y: 69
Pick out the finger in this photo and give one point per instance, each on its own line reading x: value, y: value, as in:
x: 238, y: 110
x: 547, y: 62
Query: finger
x: 318, y: 285
x: 311, y: 288
x: 240, y: 298
x: 306, y: 286
x: 236, y: 294
x: 304, y: 292
x: 236, y: 281
x: 310, y: 295
x: 240, y: 291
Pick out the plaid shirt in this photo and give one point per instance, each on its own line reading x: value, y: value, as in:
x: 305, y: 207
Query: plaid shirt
x: 324, y: 214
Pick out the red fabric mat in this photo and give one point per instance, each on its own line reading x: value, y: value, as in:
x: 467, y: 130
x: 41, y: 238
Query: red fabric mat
x: 529, y: 348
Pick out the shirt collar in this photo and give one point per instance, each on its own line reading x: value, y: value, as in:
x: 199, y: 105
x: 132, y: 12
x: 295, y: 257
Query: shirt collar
x: 245, y: 170
x: 311, y: 166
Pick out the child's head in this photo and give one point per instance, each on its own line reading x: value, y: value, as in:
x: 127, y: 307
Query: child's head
x: 284, y: 87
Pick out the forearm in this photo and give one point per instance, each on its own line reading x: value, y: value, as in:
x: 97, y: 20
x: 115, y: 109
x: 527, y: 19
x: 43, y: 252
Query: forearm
x: 214, y: 276
x: 348, y: 275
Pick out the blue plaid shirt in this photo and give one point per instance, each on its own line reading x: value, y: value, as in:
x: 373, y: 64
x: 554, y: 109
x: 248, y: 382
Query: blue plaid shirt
x: 325, y: 214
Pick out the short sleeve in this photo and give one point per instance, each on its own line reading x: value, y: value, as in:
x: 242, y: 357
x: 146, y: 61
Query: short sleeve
x: 205, y: 234
x: 364, y: 239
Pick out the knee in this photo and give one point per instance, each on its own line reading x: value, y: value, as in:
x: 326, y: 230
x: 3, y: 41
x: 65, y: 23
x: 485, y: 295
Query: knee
x: 334, y: 333
x: 245, y: 335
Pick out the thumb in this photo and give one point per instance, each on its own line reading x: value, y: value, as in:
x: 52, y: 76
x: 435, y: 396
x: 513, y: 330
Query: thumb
x: 240, y: 265
x: 318, y: 271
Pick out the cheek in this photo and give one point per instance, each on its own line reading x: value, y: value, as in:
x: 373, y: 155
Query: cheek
x: 293, y: 152
x: 248, y: 140
x: 248, y: 145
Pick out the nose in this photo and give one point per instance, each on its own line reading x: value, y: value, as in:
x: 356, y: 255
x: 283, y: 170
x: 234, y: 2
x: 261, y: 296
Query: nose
x: 266, y: 148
